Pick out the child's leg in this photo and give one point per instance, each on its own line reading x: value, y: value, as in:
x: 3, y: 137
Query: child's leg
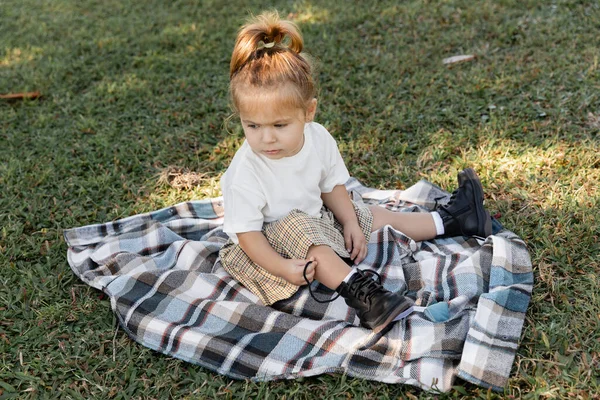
x: 418, y: 226
x: 331, y: 269
x: 463, y: 215
x: 375, y: 306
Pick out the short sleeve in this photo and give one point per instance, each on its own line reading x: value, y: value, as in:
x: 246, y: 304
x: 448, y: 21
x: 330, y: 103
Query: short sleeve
x: 243, y: 210
x: 336, y: 172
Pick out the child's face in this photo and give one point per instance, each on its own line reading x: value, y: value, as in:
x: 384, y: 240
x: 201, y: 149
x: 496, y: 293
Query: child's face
x: 271, y: 128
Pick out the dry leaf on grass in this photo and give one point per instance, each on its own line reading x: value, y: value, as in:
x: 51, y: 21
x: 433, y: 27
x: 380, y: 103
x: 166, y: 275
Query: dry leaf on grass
x: 181, y: 178
x: 458, y: 59
x: 593, y: 120
x: 21, y: 96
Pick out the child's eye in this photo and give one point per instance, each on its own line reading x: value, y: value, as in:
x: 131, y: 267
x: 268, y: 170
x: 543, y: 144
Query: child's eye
x: 280, y: 125
x: 252, y: 126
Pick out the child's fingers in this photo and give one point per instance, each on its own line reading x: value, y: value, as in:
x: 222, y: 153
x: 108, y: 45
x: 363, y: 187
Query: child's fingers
x: 311, y: 266
x: 309, y: 273
x: 348, y: 242
x: 310, y: 276
x: 362, y: 255
x: 358, y: 258
x: 355, y: 252
x: 356, y: 249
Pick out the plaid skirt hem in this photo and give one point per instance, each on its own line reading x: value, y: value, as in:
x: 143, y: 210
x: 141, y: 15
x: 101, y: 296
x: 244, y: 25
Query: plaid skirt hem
x: 290, y: 237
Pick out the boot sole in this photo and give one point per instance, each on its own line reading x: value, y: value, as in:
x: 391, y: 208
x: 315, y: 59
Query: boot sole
x: 390, y: 318
x: 482, y: 213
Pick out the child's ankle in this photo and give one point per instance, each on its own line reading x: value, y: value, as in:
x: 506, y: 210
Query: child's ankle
x: 439, y: 223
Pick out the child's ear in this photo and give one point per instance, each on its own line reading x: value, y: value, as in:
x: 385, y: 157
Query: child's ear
x: 311, y: 110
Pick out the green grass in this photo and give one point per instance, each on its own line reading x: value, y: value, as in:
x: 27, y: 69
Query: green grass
x: 131, y: 89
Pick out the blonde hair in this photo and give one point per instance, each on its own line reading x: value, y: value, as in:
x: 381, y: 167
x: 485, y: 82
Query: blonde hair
x: 267, y: 54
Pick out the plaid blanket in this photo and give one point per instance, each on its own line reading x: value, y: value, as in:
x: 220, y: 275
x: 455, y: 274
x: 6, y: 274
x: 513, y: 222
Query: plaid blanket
x: 169, y: 292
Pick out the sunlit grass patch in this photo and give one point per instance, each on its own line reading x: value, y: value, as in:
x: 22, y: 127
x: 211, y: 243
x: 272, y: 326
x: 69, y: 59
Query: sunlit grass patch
x: 308, y: 12
x: 175, y: 185
x: 15, y: 56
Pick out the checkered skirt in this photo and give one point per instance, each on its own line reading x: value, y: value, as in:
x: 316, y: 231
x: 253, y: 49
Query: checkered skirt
x: 291, y: 237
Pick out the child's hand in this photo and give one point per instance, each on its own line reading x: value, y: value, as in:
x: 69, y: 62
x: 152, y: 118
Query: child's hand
x: 356, y: 243
x: 293, y: 271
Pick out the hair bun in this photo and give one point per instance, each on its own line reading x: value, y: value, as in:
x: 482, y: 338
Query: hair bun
x: 273, y: 34
x: 259, y: 33
x: 268, y: 54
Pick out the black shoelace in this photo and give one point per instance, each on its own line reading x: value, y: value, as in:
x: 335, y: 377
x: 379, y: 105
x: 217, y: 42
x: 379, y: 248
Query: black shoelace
x: 312, y: 294
x: 446, y: 207
x: 448, y: 203
x: 364, y: 286
x: 371, y: 288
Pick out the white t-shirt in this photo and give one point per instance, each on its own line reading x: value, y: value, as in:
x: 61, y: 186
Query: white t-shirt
x: 257, y: 189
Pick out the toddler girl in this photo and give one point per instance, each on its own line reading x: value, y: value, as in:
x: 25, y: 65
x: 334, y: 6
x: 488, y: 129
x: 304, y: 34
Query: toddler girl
x: 287, y: 213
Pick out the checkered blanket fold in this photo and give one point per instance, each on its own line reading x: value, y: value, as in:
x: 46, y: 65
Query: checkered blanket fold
x: 169, y: 292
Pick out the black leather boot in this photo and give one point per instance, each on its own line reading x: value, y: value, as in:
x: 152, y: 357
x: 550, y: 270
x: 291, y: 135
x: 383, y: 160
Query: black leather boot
x: 464, y: 214
x: 376, y: 306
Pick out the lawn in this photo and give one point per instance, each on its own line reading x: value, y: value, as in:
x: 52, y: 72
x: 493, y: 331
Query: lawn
x: 135, y: 93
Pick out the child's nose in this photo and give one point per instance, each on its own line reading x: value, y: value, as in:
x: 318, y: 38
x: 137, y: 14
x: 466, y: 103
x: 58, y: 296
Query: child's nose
x: 268, y: 136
